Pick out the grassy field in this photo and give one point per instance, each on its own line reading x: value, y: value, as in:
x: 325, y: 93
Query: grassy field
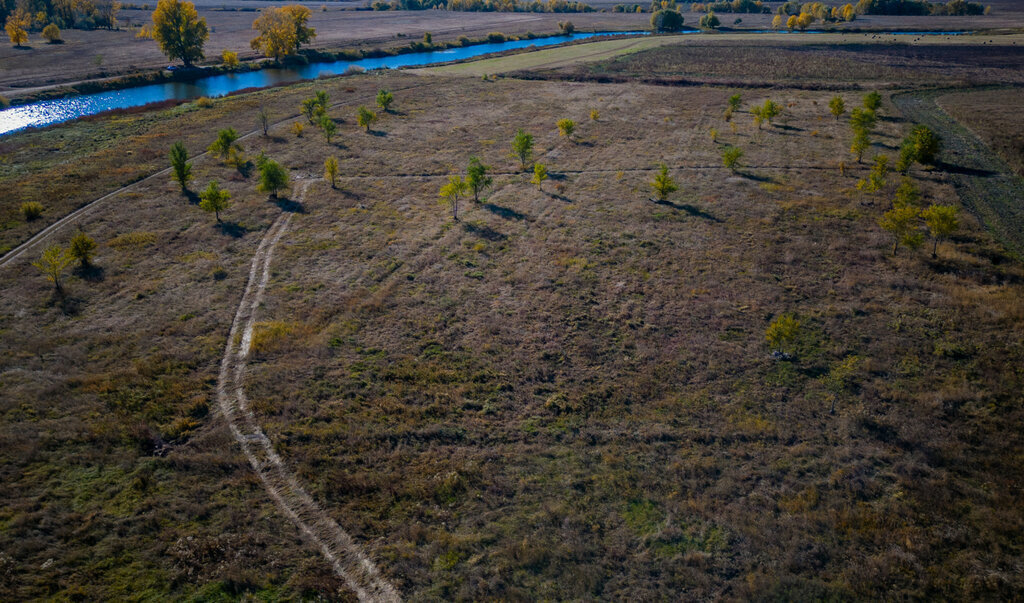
x: 566, y: 394
x: 992, y: 116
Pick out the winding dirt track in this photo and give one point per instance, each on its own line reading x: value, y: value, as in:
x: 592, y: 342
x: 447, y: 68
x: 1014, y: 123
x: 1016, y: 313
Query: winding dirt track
x: 348, y: 561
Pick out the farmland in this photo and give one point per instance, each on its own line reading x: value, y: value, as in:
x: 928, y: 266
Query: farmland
x: 566, y: 393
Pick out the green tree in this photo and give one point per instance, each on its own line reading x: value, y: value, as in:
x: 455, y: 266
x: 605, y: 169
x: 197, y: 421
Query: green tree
x: 365, y: 118
x: 226, y: 142
x: 566, y: 127
x: 907, y: 193
x: 863, y: 119
x: 734, y: 102
x: 837, y: 106
x: 663, y: 184
x: 922, y: 145
x: 450, y: 193
x: 522, y: 147
x: 477, y: 178
x: 667, y: 20
x: 263, y: 120
x: 331, y: 170
x: 328, y: 126
x: 540, y: 174
x: 731, y: 157
x: 82, y: 248
x: 51, y: 33
x: 876, y: 178
x: 214, y: 199
x: 861, y: 143
x: 941, y: 221
x: 782, y: 333
x: 902, y: 223
x: 179, y: 30
x: 872, y: 101
x: 709, y: 21
x: 309, y: 106
x: 273, y: 177
x: 53, y: 263
x: 180, y: 167
x: 384, y: 100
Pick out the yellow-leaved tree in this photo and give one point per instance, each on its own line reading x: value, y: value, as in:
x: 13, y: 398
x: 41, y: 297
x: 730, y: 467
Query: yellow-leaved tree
x: 282, y: 31
x: 179, y: 30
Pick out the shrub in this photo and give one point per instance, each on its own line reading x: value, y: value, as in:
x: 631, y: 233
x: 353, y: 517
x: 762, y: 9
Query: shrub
x: 566, y: 127
x: 51, y: 33
x: 297, y: 129
x: 594, y: 114
x: 663, y: 184
x: 229, y: 58
x: 731, y: 157
x: 82, y: 248
x: 709, y: 21
x: 782, y: 332
x: 496, y: 37
x: 31, y: 210
x: 204, y: 102
x: 566, y: 28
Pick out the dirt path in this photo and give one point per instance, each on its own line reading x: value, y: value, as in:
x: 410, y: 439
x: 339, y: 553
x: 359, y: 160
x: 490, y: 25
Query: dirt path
x: 345, y: 556
x: 987, y: 186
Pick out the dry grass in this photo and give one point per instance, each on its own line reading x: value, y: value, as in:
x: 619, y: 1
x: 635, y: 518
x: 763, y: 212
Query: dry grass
x: 566, y: 395
x: 992, y: 115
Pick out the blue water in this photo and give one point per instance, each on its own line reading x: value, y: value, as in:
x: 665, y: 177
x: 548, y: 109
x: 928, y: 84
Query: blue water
x: 64, y: 109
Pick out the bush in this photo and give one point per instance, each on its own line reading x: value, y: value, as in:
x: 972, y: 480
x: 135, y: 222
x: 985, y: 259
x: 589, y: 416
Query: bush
x: 709, y: 21
x: 31, y: 210
x: 82, y: 248
x: 204, y: 102
x: 52, y: 34
x: 495, y: 36
x: 229, y: 58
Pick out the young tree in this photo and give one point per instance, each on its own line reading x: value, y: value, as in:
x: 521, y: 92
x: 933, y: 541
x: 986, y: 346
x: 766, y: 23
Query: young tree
x: 522, y: 147
x: 51, y: 33
x: 16, y: 27
x: 921, y: 145
x: 709, y: 21
x: 594, y: 114
x: 328, y: 126
x: 450, y: 193
x: 782, y: 333
x: 907, y: 193
x: 776, y: 21
x: 837, y: 106
x: 902, y: 223
x: 309, y: 106
x: 229, y: 58
x: 476, y: 177
x: 297, y: 129
x: 214, y: 199
x: 734, y: 102
x: 82, y: 249
x: 273, y: 177
x: 263, y: 119
x: 53, y: 263
x: 31, y: 210
x: 331, y: 171
x: 876, y: 178
x: 770, y: 110
x: 384, y: 100
x: 321, y: 99
x: 663, y: 184
x: 365, y: 118
x: 180, y: 167
x: 225, y: 143
x: 540, y: 174
x: 863, y: 119
x: 731, y: 157
x: 179, y: 30
x: 861, y: 143
x: 872, y: 101
x: 566, y: 127
x: 941, y: 221
x: 282, y: 31
x: 792, y: 22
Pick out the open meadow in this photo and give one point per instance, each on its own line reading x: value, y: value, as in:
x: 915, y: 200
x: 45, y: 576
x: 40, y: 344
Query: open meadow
x: 565, y: 392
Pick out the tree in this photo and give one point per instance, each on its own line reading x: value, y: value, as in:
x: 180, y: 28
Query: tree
x: 229, y: 58
x: 51, y: 33
x: 451, y: 191
x: 476, y: 177
x: 273, y: 177
x: 863, y: 119
x: 566, y: 127
x: 876, y: 178
x: 384, y: 100
x: 792, y: 22
x: 328, y: 126
x: 225, y: 143
x: 540, y: 174
x: 365, y: 118
x: 782, y: 333
x: 663, y: 184
x: 263, y: 119
x: 776, y: 21
x: 709, y: 21
x: 17, y: 26
x: 31, y: 210
x: 180, y: 167
x: 861, y: 143
x: 926, y: 144
x: 770, y: 110
x: 53, y: 263
x: 907, y: 193
x: 902, y: 223
x: 82, y: 249
x: 282, y: 31
x: 179, y: 30
x: 837, y: 106
x: 941, y: 221
x: 734, y: 102
x: 566, y: 28
x: 214, y: 199
x: 297, y: 129
x: 522, y: 147
x: 667, y: 20
x: 331, y: 171
x: 804, y: 21
x: 594, y: 115
x: 872, y: 101
x: 731, y: 157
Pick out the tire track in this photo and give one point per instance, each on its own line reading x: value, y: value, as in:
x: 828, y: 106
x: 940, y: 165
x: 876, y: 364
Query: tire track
x: 344, y: 555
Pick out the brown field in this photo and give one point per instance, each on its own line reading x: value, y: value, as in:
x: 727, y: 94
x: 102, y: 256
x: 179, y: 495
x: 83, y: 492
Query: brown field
x: 994, y: 116
x: 564, y: 395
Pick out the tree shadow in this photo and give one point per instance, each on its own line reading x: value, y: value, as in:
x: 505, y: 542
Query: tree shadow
x: 965, y: 171
x: 754, y: 177
x: 558, y: 196
x: 232, y: 229
x: 377, y: 133
x: 68, y: 304
x: 690, y: 209
x: 788, y: 128
x: 288, y: 205
x: 504, y: 212
x: 90, y: 272
x: 483, y: 231
x: 192, y: 196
